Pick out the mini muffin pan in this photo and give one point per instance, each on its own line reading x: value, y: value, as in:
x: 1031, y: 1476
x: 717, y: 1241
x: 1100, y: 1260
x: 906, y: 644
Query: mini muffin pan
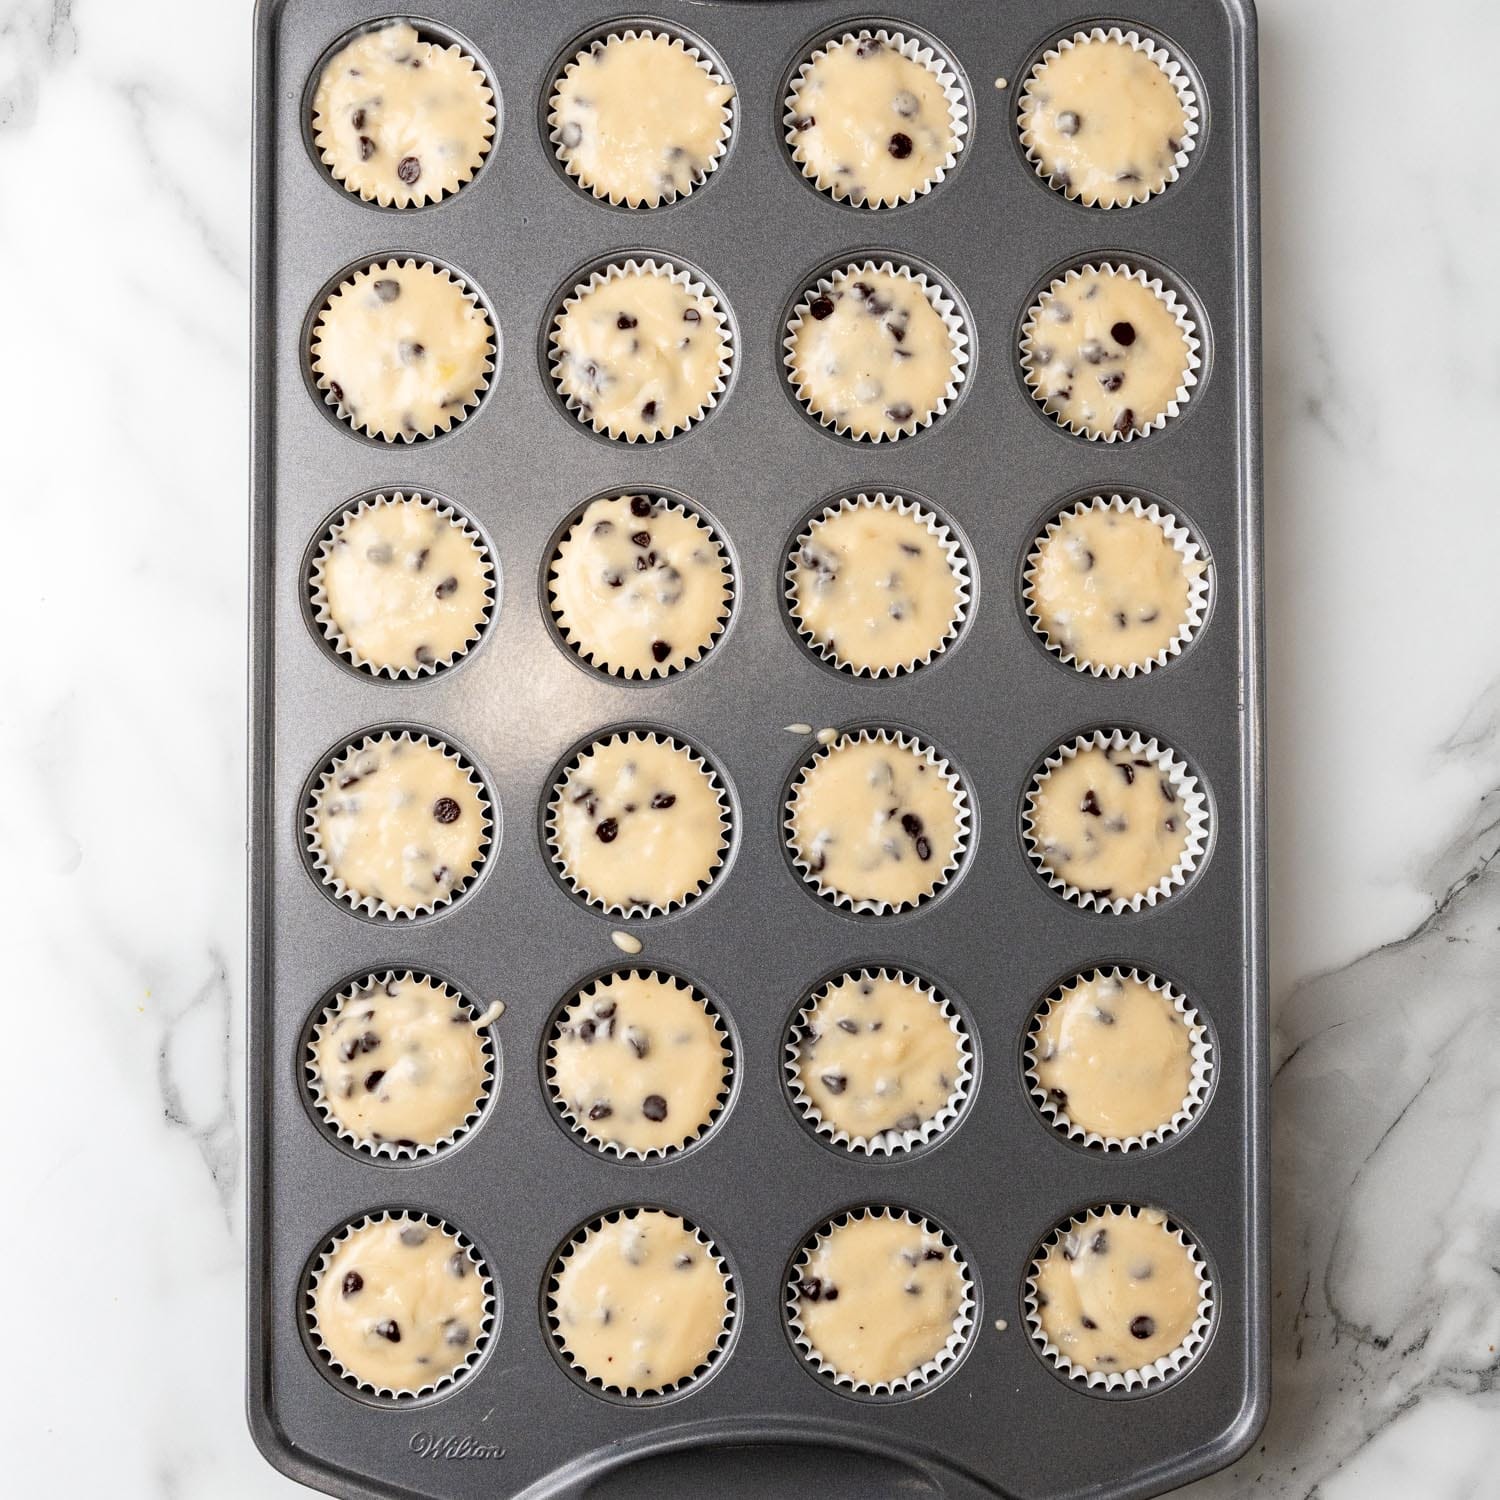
x: 1000, y: 1417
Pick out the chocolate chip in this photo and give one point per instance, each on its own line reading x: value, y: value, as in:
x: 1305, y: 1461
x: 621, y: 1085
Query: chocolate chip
x: 1090, y: 804
x: 357, y: 119
x: 1100, y: 1242
x: 445, y: 810
x: 353, y: 1281
x: 654, y: 1107
x: 663, y: 800
x: 1059, y: 1097
x: 640, y: 506
x: 1128, y: 772
x: 625, y: 321
x: 410, y: 351
x: 810, y: 1287
x: 607, y: 831
x: 648, y: 411
x: 1088, y: 1322
x: 900, y: 412
x: 1120, y: 620
x: 835, y: 1083
x: 1104, y: 1017
x: 869, y: 46
x: 387, y: 289
x: 448, y: 586
x: 1125, y: 422
x: 911, y: 823
x: 372, y: 1080
x: 638, y: 1041
x: 900, y: 145
x: 1092, y: 351
x: 660, y: 651
x: 932, y: 1253
x: 366, y: 148
x: 803, y: 122
x: 692, y: 315
x: 1167, y: 790
x: 408, y: 169
x: 821, y: 307
x: 458, y: 1264
x: 1068, y: 122
x: 457, y: 1334
x: 600, y: 1112
x: 1123, y: 333
x: 641, y: 538
x: 924, y: 848
x: 1142, y: 1327
x: 683, y: 1260
x: 1113, y: 381
x: 368, y: 1042
x: 389, y: 1329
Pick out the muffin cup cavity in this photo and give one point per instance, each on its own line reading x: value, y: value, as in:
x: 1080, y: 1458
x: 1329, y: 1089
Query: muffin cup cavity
x: 1190, y: 796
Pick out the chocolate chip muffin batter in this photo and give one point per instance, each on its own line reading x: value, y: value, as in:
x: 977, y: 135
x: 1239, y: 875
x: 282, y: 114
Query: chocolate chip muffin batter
x: 640, y: 586
x: 871, y: 356
x: 402, y: 350
x: 638, y: 119
x: 1104, y: 354
x: 404, y: 585
x: 876, y: 820
x: 639, y: 354
x: 878, y: 1297
x: 399, y: 1304
x: 870, y: 124
x: 1117, y: 1291
x: 874, y: 585
x: 402, y: 121
x: 640, y: 1302
x: 637, y: 824
x: 638, y: 1062
x: 399, y: 824
x: 1103, y: 122
x: 399, y: 1063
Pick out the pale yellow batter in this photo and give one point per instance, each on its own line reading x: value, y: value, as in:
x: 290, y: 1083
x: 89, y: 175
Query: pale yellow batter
x: 1103, y: 121
x: 878, y: 1297
x: 399, y: 825
x: 402, y: 121
x: 403, y: 585
x: 639, y: 1063
x: 400, y: 1305
x: 871, y: 356
x: 870, y: 124
x: 1110, y: 822
x: 875, y: 586
x: 400, y: 1063
x: 402, y: 350
x: 638, y: 824
x: 1114, y: 1055
x: 640, y: 1303
x: 639, y: 355
x: 877, y: 821
x: 640, y: 586
x: 640, y: 119
x: 1117, y: 1291
x: 877, y: 1053
x: 1105, y: 355
x: 1110, y: 589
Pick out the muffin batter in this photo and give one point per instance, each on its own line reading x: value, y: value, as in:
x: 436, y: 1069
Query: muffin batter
x: 874, y: 586
x: 877, y: 821
x: 1110, y: 822
x: 639, y: 355
x: 400, y: 1304
x: 402, y: 350
x: 869, y: 124
x: 400, y: 1062
x: 1103, y: 121
x: 871, y: 356
x: 1114, y: 1055
x: 638, y: 120
x: 405, y: 586
x: 638, y: 1062
x: 640, y: 586
x: 876, y: 1053
x: 400, y: 823
x: 402, y: 121
x: 1117, y: 1291
x: 878, y: 1297
x: 640, y: 1303
x: 638, y: 824
x: 1109, y: 588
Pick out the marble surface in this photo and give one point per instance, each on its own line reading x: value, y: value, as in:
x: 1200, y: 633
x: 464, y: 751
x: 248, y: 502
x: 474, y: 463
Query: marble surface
x: 123, y: 236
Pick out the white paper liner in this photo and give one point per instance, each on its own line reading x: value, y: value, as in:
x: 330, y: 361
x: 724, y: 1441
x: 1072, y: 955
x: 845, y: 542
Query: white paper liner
x: 349, y: 994
x: 1159, y: 1370
x: 915, y: 50
x: 689, y: 49
x: 960, y: 805
x: 1180, y: 538
x: 326, y: 781
x: 942, y: 304
x: 581, y: 1128
x: 1189, y: 796
x: 320, y: 1265
x: 318, y: 596
x: 914, y: 1380
x: 658, y: 670
x: 650, y: 909
x: 326, y: 384
x: 595, y: 1382
x: 1175, y: 73
x: 424, y: 196
x: 650, y: 266
x: 1173, y: 303
x: 884, y: 1142
x: 1200, y: 1053
x: 940, y: 532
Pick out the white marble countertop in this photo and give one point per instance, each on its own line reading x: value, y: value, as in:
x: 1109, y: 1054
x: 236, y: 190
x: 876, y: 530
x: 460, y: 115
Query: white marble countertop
x: 124, y: 146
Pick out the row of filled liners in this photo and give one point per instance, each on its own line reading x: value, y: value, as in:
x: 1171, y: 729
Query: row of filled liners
x: 397, y: 824
x: 639, y: 116
x: 401, y: 349
x: 640, y: 1303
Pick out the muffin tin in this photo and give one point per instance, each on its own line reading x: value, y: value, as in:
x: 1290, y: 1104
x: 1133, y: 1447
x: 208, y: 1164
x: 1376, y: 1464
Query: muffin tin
x: 998, y: 1417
